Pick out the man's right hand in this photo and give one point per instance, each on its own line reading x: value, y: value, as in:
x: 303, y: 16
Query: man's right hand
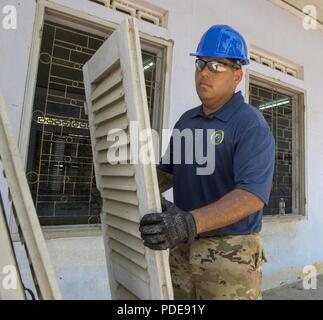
x: 165, y: 230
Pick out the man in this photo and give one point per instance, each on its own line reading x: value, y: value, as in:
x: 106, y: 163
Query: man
x: 213, y: 226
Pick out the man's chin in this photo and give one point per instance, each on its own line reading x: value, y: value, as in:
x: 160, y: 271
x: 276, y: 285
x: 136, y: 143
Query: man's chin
x: 204, y: 98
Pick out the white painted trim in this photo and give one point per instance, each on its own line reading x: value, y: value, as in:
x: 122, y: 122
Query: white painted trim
x: 29, y: 95
x: 8, y: 258
x: 25, y: 210
x: 67, y: 231
x: 284, y: 219
x: 105, y: 17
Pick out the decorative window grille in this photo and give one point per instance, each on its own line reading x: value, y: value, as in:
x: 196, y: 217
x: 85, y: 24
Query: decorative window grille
x: 272, y: 62
x: 282, y: 110
x: 139, y: 9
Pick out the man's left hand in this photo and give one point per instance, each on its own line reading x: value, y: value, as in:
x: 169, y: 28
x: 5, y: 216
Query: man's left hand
x: 161, y: 231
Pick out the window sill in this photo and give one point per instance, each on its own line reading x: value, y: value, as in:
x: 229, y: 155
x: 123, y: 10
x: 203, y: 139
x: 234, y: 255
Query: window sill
x: 284, y: 218
x: 55, y: 232
x: 70, y: 231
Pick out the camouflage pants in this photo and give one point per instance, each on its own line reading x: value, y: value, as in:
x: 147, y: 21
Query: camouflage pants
x: 218, y: 268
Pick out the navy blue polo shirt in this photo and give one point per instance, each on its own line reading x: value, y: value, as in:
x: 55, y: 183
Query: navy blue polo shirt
x: 232, y: 148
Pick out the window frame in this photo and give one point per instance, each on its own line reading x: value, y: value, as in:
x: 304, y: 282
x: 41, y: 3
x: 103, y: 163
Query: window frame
x: 149, y: 34
x: 158, y: 101
x: 299, y: 180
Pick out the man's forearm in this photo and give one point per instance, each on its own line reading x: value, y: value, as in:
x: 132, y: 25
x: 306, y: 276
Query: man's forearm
x: 231, y: 208
x: 165, y: 180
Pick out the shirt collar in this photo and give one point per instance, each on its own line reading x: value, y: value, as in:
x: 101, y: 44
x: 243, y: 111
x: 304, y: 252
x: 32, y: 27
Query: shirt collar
x: 225, y: 112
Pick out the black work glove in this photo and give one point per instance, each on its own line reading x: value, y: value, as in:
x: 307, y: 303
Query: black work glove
x: 161, y: 231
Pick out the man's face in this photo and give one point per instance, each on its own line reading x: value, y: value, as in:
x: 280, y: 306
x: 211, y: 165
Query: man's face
x: 212, y: 87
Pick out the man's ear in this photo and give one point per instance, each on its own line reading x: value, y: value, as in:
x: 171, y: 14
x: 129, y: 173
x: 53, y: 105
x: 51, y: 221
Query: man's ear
x: 238, y: 74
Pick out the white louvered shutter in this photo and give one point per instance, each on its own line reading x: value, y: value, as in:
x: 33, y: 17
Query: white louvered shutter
x: 116, y: 95
x: 23, y: 209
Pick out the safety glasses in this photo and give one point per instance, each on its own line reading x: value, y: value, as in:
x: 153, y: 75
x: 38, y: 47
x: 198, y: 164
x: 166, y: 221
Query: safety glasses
x: 214, y: 66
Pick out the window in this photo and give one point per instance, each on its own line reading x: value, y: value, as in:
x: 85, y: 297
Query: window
x: 60, y: 166
x: 283, y: 110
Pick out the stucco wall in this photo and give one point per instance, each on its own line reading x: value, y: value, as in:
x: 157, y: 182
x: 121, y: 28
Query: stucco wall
x: 79, y: 264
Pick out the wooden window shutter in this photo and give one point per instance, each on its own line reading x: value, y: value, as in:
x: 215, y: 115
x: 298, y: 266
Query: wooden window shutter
x: 116, y: 95
x: 25, y: 215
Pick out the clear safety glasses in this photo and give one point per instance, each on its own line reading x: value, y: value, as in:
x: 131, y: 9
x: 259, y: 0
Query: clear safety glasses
x: 214, y: 66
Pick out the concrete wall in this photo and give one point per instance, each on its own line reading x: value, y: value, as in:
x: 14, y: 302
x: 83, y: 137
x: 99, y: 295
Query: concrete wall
x: 290, y: 244
x: 79, y: 264
x: 14, y: 57
x: 14, y: 51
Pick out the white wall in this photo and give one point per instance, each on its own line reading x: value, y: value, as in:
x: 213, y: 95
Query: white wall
x: 79, y: 264
x: 290, y: 244
x: 14, y: 55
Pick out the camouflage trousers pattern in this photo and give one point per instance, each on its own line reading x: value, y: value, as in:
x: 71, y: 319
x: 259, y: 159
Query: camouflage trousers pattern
x: 218, y: 268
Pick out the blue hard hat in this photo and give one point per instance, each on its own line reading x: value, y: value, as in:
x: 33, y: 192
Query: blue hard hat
x: 222, y: 41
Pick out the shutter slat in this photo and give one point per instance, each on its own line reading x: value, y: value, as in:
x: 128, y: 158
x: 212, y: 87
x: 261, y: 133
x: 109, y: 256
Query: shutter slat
x: 124, y: 294
x: 115, y: 155
x: 121, y: 123
x: 123, y: 170
x: 127, y: 239
x: 110, y: 112
x: 134, y: 283
x: 108, y: 141
x: 108, y: 99
x: 107, y: 84
x: 130, y: 266
x: 119, y: 183
x: 128, y: 253
x: 123, y: 210
x: 121, y: 196
x: 124, y: 225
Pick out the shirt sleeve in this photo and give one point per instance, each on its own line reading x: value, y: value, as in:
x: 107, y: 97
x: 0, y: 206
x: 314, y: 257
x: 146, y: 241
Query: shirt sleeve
x: 254, y: 161
x: 166, y: 162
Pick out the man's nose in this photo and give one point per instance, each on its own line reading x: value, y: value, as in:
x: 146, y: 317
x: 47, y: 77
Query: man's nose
x: 205, y: 72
